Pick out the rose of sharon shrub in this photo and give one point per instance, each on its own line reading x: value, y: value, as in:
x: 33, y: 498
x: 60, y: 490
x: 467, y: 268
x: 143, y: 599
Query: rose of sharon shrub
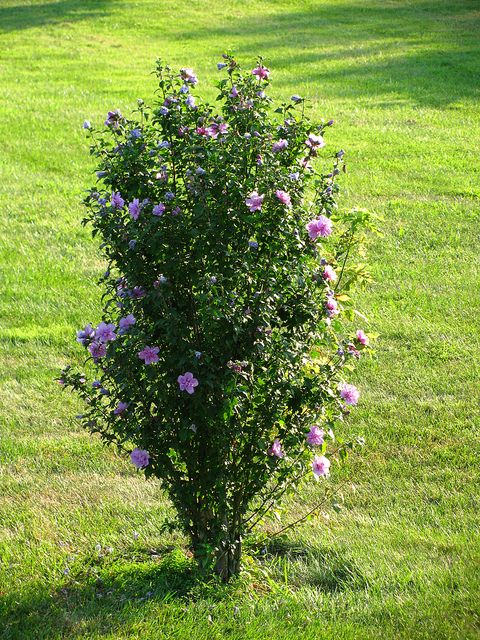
x: 217, y: 363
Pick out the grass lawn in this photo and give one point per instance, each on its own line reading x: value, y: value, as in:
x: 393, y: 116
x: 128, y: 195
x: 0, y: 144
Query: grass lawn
x: 81, y: 553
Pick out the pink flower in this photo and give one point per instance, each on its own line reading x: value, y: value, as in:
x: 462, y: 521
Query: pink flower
x: 322, y: 226
x: 280, y: 145
x: 134, y: 208
x: 120, y: 408
x: 321, y: 466
x: 362, y: 337
x: 349, y: 393
x: 116, y: 200
x: 140, y: 458
x: 149, y: 355
x: 284, y: 197
x: 276, y: 449
x: 97, y: 349
x: 315, y: 435
x: 202, y: 131
x: 187, y: 382
x: 332, y: 307
x: 261, y: 72
x: 254, y: 201
x: 315, y: 142
x: 159, y: 209
x: 215, y: 129
x: 105, y: 332
x: 329, y: 273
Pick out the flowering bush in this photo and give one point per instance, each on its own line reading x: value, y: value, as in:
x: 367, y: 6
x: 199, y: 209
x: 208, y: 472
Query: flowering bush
x: 218, y: 361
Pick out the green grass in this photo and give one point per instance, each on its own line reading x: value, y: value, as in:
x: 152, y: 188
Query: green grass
x: 400, y: 77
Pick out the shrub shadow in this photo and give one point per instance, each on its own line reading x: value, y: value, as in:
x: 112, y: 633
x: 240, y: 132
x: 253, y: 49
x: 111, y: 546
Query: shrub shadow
x: 97, y: 595
x: 320, y: 567
x: 26, y: 16
x: 394, y: 50
x: 102, y: 593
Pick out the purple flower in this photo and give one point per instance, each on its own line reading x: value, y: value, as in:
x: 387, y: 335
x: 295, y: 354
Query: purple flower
x: 221, y: 65
x: 261, y: 72
x: 187, y: 382
x: 294, y: 176
x: 116, y: 200
x: 198, y: 354
x: 176, y: 211
x: 169, y: 196
x: 329, y: 273
x: 315, y: 142
x: 322, y: 226
x: 188, y: 75
x: 140, y: 458
x: 280, y: 145
x: 276, y: 449
x: 321, y: 466
x: 159, y: 209
x: 254, y: 201
x: 184, y: 88
x: 87, y: 125
x: 135, y: 133
x: 315, y: 436
x: 253, y: 244
x: 190, y: 102
x: 138, y: 292
x: 134, y: 208
x: 284, y: 197
x: 234, y: 92
x: 126, y: 323
x: 159, y: 281
x: 98, y: 350
x: 163, y: 111
x: 113, y: 119
x: 120, y: 408
x: 96, y: 384
x: 353, y: 352
x: 105, y: 332
x: 132, y: 244
x: 162, y: 175
x: 295, y: 98
x: 149, y: 355
x: 85, y: 335
x: 349, y: 393
x: 362, y: 337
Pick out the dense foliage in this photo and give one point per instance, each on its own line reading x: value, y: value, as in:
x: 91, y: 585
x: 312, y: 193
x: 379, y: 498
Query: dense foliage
x: 219, y: 357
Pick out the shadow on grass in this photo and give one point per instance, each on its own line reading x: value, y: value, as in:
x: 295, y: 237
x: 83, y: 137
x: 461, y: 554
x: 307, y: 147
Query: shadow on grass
x: 102, y: 593
x: 323, y: 568
x: 426, y: 51
x: 25, y: 16
x: 98, y: 594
